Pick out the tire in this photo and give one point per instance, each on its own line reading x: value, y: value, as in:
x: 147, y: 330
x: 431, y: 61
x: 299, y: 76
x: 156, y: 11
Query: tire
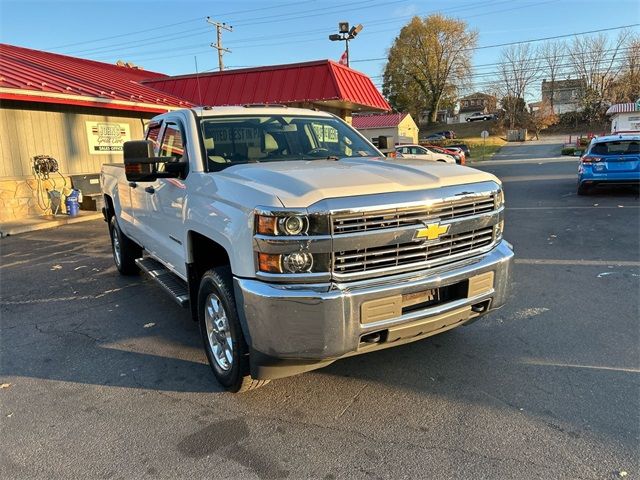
x: 125, y: 251
x: 222, y: 336
x: 584, y: 189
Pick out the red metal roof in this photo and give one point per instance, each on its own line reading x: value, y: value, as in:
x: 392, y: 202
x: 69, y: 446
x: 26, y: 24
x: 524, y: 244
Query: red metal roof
x: 322, y: 81
x: 37, y: 76
x: 378, y: 121
x: 622, y: 108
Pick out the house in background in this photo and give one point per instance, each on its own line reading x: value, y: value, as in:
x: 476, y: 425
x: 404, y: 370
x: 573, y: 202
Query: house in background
x: 476, y: 102
x: 443, y: 116
x: 625, y: 117
x: 566, y: 94
x: 400, y: 126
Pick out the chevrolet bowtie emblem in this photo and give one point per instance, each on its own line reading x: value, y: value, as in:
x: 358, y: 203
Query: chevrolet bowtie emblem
x: 432, y: 231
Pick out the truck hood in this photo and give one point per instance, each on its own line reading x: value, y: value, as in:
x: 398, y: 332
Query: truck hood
x: 302, y: 183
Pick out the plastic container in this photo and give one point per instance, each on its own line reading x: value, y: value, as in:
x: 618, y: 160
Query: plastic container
x: 71, y: 203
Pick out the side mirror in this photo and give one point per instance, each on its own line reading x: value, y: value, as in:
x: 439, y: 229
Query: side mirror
x: 140, y: 165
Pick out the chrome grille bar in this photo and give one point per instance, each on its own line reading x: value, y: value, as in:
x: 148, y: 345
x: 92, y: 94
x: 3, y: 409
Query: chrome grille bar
x: 369, y: 259
x: 398, y: 217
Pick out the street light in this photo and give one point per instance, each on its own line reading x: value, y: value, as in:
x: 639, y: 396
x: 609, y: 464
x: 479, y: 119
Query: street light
x: 345, y: 34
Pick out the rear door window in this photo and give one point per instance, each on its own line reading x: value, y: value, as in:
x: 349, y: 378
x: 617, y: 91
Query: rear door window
x: 153, y: 134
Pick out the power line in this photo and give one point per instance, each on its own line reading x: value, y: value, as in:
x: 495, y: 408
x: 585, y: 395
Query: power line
x: 105, y: 49
x: 523, y: 41
x: 127, y: 34
x: 161, y: 27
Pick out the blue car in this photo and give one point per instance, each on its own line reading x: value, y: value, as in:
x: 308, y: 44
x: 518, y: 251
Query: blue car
x: 610, y: 160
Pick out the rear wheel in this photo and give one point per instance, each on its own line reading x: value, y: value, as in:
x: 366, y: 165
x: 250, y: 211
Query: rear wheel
x: 125, y: 251
x: 584, y: 189
x: 224, y: 342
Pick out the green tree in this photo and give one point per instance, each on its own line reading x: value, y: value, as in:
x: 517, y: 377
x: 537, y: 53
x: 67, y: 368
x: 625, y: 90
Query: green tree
x: 428, y: 62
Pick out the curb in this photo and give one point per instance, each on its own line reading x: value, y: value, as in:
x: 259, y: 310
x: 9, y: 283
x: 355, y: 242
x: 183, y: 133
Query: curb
x: 16, y: 229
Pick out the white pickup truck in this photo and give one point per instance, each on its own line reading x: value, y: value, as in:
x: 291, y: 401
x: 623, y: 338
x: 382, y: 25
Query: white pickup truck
x: 295, y: 242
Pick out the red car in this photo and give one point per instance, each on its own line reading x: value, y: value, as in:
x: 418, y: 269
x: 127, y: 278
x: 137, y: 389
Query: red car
x: 456, y: 153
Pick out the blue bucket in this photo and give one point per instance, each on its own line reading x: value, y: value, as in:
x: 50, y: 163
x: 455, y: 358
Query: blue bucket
x: 73, y: 207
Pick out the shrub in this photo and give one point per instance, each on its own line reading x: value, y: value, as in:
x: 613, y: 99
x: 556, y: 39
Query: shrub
x: 568, y: 150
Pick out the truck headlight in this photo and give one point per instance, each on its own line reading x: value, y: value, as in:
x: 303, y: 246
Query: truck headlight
x: 284, y: 225
x: 294, y: 225
x: 296, y: 262
x: 500, y: 198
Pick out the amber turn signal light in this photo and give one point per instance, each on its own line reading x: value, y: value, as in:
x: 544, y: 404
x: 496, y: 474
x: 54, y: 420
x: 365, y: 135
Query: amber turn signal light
x: 269, y: 263
x: 265, y: 225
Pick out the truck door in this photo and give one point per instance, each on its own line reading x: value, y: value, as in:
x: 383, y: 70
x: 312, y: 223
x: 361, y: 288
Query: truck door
x: 165, y: 199
x: 141, y: 232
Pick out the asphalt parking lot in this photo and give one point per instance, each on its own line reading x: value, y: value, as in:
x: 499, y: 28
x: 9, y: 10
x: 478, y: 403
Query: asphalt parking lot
x: 104, y: 377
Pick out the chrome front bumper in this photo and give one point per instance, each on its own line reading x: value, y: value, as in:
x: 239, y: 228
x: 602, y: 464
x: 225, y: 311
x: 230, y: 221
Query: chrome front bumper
x: 320, y: 323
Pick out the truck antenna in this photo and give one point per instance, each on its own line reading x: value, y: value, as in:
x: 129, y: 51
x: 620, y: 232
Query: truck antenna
x: 195, y: 59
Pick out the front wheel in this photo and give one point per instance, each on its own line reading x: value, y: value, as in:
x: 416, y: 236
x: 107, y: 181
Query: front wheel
x: 224, y: 343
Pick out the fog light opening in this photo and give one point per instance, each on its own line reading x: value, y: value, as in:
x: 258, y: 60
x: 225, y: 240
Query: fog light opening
x: 371, y: 338
x: 481, y: 307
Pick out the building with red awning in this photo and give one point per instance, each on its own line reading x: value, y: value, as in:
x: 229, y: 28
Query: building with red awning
x: 322, y: 84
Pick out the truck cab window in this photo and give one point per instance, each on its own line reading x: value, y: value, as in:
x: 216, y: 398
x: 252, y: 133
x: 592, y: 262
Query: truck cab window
x: 172, y: 142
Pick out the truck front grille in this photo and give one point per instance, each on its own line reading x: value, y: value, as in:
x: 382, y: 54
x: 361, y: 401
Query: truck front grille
x: 399, y: 217
x: 375, y: 258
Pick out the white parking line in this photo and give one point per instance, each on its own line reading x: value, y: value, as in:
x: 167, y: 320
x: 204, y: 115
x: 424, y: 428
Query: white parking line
x: 583, y: 263
x: 576, y: 207
x: 532, y: 178
x: 527, y: 161
x: 572, y: 365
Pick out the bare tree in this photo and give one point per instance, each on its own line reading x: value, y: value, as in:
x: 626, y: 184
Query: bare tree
x: 627, y: 86
x: 518, y: 68
x: 595, y: 60
x: 552, y: 58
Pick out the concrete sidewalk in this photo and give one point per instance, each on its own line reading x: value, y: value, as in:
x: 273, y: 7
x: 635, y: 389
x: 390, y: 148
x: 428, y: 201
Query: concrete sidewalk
x: 43, y: 222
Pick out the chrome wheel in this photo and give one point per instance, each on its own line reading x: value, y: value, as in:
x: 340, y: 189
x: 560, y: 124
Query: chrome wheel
x: 115, y: 239
x: 218, y: 332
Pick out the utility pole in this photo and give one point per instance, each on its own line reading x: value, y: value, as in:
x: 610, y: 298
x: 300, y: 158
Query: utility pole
x: 218, y: 46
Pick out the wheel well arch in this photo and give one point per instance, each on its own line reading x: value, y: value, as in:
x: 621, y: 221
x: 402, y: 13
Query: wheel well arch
x: 110, y: 209
x: 202, y: 254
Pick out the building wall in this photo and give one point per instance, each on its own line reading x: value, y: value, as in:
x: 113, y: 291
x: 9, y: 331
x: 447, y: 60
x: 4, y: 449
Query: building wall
x: 625, y: 122
x: 28, y: 129
x: 373, y: 133
x: 408, y: 128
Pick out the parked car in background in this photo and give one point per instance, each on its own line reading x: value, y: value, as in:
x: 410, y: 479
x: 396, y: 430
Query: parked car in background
x: 462, y: 146
x: 610, y: 160
x: 456, y: 153
x: 434, y: 137
x: 423, y: 153
x: 448, y: 134
x: 480, y: 116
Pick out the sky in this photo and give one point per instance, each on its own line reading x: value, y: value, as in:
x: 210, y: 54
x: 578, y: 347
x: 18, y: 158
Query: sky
x: 171, y: 36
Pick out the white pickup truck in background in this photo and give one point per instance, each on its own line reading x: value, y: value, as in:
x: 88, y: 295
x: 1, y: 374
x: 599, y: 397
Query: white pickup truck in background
x: 296, y: 243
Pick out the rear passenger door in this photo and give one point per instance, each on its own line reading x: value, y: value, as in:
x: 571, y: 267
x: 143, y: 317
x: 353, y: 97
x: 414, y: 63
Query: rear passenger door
x: 142, y: 233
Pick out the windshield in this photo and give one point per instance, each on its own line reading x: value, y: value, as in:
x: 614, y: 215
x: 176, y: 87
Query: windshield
x: 616, y: 147
x: 266, y: 138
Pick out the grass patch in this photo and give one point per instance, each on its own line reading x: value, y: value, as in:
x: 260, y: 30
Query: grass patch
x: 478, y: 146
